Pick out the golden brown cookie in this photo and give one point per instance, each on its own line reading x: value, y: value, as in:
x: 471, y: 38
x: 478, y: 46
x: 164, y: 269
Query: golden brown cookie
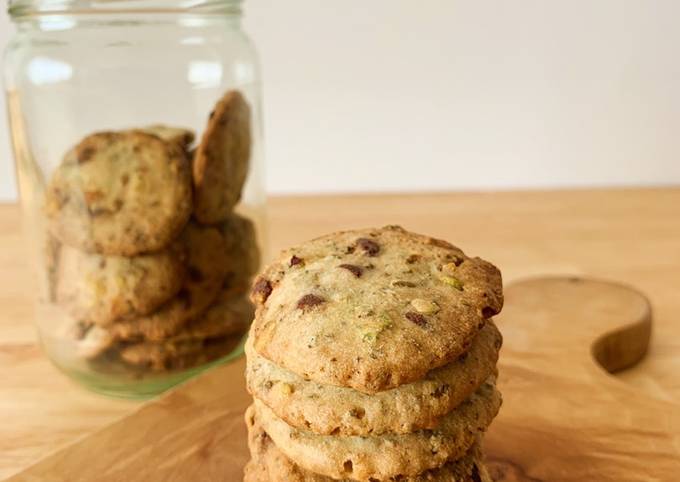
x: 215, y: 272
x: 101, y: 289
x: 221, y: 319
x: 120, y: 193
x: 222, y: 159
x: 217, y: 328
x: 164, y: 356
x: 207, y: 267
x: 389, y: 455
x: 328, y: 409
x: 372, y: 309
x: 244, y: 252
x: 269, y: 464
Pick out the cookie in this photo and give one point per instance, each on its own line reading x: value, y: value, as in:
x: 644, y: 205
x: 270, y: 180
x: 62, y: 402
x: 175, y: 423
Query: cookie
x: 244, y: 252
x: 178, y: 135
x: 221, y: 160
x: 331, y: 410
x: 269, y: 464
x: 384, y: 456
x: 207, y: 267
x: 120, y: 194
x: 215, y: 329
x: 221, y: 319
x: 372, y: 309
x: 158, y: 357
x: 101, y: 289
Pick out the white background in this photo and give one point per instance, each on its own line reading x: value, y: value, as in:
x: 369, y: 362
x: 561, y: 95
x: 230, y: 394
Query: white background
x: 440, y: 94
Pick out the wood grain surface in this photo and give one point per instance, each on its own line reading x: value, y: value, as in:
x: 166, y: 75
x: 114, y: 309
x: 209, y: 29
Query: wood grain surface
x: 628, y: 235
x: 564, y: 417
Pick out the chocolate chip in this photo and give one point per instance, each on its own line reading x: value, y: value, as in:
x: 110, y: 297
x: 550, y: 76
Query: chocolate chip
x: 370, y: 247
x: 456, y: 259
x: 357, y: 412
x: 195, y: 274
x: 354, y: 269
x: 268, y: 384
x: 413, y: 258
x: 309, y: 301
x: 440, y: 243
x: 441, y: 390
x: 262, y: 289
x: 85, y: 154
x: 350, y: 249
x: 184, y: 296
x: 294, y: 261
x: 403, y: 284
x: 416, y: 318
x: 488, y: 312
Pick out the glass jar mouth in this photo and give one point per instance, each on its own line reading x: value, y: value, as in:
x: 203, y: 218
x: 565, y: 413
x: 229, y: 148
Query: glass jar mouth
x: 24, y: 8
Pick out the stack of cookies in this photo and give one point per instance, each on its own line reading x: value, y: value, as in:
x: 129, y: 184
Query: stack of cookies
x: 372, y: 357
x: 146, y: 255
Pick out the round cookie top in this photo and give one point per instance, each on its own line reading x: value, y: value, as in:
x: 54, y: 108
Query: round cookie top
x: 372, y: 309
x: 120, y: 193
x: 102, y: 289
x: 222, y: 159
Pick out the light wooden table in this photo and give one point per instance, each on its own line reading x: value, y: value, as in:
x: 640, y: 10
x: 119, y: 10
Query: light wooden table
x: 627, y: 235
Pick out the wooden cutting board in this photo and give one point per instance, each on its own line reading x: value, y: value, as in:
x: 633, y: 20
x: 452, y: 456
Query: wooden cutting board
x: 564, y: 418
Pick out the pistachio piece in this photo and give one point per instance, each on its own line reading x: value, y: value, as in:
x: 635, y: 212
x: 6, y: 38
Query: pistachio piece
x: 424, y: 306
x: 451, y: 281
x: 371, y: 331
x: 449, y: 269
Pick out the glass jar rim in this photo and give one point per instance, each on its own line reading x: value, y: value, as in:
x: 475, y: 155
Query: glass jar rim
x: 22, y: 8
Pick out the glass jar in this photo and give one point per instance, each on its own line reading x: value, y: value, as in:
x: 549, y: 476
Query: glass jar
x: 137, y: 138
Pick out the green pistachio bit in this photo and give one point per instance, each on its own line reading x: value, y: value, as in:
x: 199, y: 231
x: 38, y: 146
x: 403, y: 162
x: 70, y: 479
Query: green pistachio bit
x: 371, y: 332
x: 386, y: 321
x: 451, y: 281
x: 449, y: 269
